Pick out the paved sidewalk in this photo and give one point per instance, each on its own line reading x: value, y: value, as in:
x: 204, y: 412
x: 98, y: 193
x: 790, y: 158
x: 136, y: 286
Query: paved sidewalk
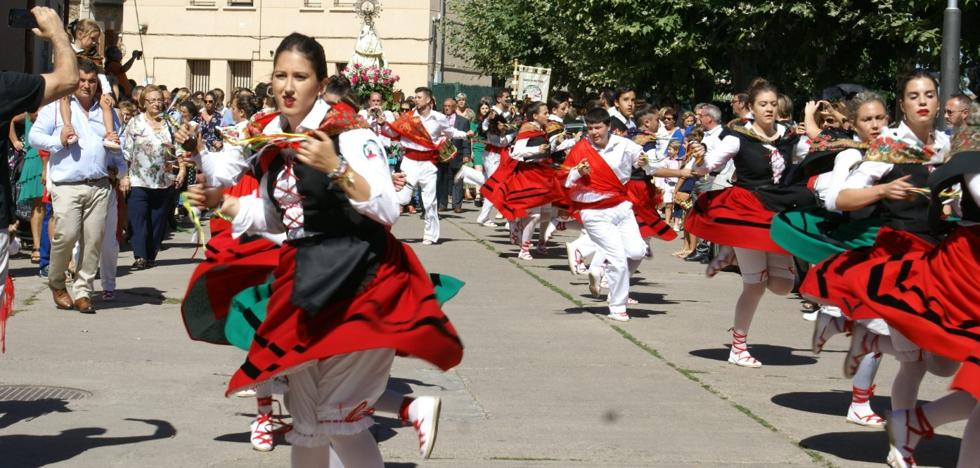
x: 544, y: 381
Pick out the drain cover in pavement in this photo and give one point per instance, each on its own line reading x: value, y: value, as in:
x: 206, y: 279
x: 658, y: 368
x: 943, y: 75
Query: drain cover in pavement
x: 40, y: 392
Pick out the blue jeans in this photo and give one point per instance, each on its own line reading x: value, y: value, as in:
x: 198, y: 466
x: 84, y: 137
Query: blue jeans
x: 148, y: 211
x: 45, y: 248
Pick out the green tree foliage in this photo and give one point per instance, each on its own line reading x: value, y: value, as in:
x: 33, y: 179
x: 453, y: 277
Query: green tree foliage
x: 695, y: 49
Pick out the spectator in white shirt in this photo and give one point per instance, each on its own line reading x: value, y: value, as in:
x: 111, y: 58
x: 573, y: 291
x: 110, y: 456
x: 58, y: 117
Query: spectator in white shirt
x: 78, y: 181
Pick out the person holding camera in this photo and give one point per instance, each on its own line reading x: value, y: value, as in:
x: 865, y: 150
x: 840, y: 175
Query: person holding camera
x: 22, y: 92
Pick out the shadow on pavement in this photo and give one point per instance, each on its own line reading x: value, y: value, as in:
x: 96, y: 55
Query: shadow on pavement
x: 243, y: 437
x: 418, y: 240
x: 179, y: 261
x: 404, y: 386
x: 650, y: 298
x: 39, y: 450
x: 834, y: 402
x: 17, y: 411
x: 872, y: 446
x: 23, y: 272
x: 633, y: 313
x: 767, y: 354
x: 131, y: 296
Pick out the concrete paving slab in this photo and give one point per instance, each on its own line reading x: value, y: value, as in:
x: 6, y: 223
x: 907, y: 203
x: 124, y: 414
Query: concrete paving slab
x: 544, y: 381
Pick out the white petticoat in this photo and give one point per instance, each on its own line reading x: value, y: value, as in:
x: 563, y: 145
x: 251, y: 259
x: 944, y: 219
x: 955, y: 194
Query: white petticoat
x: 336, y: 396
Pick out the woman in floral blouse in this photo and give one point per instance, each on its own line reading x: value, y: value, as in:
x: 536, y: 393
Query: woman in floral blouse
x: 210, y: 121
x: 149, y: 149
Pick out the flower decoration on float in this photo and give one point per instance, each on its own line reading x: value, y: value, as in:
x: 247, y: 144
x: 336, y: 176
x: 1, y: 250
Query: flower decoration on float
x: 367, y: 80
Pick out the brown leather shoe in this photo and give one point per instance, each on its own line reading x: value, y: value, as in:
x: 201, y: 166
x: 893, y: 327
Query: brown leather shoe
x: 457, y: 210
x: 61, y: 298
x: 84, y: 305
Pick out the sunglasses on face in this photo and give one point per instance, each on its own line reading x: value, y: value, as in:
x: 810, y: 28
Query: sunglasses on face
x: 208, y: 102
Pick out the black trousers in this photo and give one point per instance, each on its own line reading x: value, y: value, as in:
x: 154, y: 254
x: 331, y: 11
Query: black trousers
x: 445, y: 186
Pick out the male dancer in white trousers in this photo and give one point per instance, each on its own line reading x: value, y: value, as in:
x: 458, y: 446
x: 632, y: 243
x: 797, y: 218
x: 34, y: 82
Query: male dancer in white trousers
x: 601, y: 166
x: 420, y: 156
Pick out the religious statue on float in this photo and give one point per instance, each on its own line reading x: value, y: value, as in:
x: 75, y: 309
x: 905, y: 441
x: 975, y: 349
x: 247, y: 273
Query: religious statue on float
x: 367, y: 49
x: 366, y: 69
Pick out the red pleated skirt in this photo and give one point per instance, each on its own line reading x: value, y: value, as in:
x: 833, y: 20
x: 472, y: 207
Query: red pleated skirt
x: 396, y: 310
x: 968, y: 377
x: 529, y: 185
x: 645, y: 198
x: 834, y: 280
x: 229, y: 267
x: 245, y: 186
x: 734, y: 217
x: 932, y: 297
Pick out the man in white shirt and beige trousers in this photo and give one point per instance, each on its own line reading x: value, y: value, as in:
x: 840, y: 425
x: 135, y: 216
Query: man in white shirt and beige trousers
x: 78, y: 181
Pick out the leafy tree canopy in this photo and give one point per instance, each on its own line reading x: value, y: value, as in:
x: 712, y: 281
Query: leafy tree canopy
x: 696, y: 49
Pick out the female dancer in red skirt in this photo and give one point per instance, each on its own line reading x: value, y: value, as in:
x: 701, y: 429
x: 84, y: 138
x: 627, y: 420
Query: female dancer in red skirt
x: 740, y: 216
x: 346, y: 294
x: 895, y: 165
x: 832, y: 155
x: 525, y: 194
x: 931, y: 298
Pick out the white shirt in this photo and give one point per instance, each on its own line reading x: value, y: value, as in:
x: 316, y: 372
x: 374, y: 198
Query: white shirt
x: 616, y: 114
x: 717, y: 157
x: 438, y: 127
x: 376, y: 126
x: 829, y: 184
x: 258, y: 214
x: 870, y: 172
x: 712, y: 137
x: 501, y: 112
x: 622, y: 155
x: 972, y: 186
x: 501, y: 141
x: 86, y: 159
x: 522, y: 152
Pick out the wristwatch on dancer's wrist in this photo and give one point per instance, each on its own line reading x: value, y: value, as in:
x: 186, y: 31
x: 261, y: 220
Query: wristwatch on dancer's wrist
x: 342, y: 171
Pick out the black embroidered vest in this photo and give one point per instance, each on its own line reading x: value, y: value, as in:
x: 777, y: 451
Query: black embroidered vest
x: 343, y: 249
x: 753, y: 171
x: 907, y: 215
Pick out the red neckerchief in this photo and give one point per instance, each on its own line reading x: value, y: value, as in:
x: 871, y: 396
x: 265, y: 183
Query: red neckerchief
x: 410, y: 126
x: 601, y: 178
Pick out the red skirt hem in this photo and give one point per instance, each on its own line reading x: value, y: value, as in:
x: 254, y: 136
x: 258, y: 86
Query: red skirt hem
x: 833, y: 280
x: 526, y: 186
x: 930, y: 296
x: 645, y: 198
x: 397, y: 310
x: 734, y: 217
x: 229, y: 267
x: 967, y: 378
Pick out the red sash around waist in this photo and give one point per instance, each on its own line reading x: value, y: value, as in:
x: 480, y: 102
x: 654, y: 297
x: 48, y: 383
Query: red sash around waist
x: 414, y: 155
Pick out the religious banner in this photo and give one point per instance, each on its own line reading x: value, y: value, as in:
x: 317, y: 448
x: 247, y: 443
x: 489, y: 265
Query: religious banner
x: 532, y: 82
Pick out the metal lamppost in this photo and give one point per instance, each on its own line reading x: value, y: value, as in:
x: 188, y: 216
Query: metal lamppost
x: 950, y: 72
